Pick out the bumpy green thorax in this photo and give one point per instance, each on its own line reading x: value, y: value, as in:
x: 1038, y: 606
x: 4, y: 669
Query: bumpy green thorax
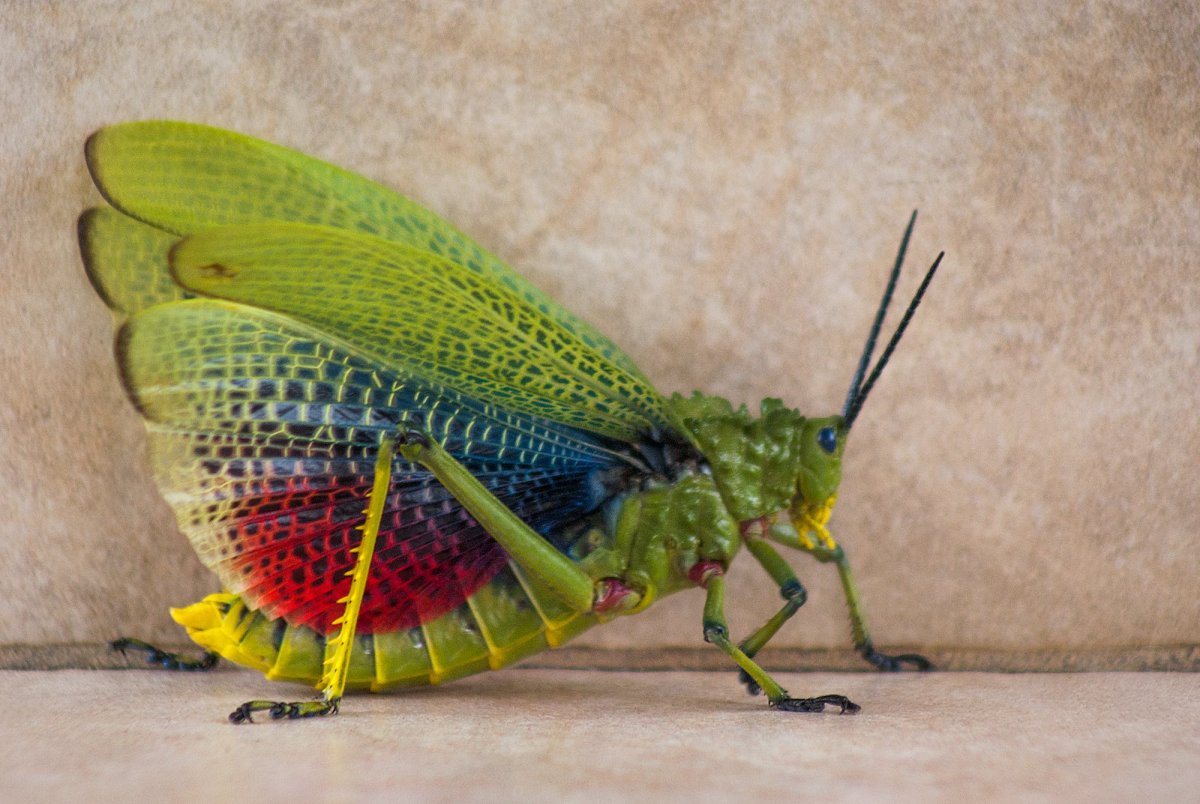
x: 764, y: 464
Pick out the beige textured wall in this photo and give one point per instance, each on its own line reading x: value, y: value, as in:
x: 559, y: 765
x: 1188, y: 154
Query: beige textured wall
x: 721, y: 189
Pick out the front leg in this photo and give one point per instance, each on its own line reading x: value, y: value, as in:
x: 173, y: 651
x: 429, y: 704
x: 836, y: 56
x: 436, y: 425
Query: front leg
x: 862, y: 638
x: 826, y: 550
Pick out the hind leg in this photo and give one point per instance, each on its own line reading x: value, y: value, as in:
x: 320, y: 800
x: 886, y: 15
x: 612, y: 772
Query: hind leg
x: 165, y: 659
x: 338, y: 648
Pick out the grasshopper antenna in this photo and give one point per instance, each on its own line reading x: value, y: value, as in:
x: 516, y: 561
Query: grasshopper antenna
x: 865, y: 361
x: 858, y: 388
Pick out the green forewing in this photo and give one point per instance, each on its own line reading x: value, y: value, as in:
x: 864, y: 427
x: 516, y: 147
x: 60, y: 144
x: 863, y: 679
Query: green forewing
x: 369, y: 266
x: 411, y: 308
x: 183, y: 177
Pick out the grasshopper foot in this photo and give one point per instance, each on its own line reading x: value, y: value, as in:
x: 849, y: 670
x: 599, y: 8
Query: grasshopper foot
x: 164, y: 659
x: 894, y: 664
x: 279, y: 710
x: 818, y: 704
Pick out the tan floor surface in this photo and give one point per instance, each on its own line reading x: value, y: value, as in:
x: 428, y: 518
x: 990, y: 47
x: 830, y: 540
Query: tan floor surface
x: 558, y: 735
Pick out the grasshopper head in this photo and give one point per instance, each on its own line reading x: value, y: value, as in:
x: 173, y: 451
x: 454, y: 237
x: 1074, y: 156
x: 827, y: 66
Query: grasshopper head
x: 822, y: 442
x: 782, y: 460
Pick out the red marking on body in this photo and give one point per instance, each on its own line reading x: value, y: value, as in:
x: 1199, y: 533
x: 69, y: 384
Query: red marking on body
x: 613, y: 593
x: 704, y: 571
x: 753, y: 528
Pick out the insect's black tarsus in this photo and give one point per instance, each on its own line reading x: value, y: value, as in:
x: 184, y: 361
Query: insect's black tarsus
x: 818, y: 704
x: 165, y: 659
x: 893, y: 664
x: 281, y: 710
x: 859, y: 389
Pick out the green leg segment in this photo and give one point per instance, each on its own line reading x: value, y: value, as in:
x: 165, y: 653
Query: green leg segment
x: 716, y: 631
x: 786, y: 535
x: 338, y: 648
x: 571, y: 585
x: 793, y: 592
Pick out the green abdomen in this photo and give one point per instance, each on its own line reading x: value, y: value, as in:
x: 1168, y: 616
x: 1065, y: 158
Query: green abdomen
x: 509, y: 619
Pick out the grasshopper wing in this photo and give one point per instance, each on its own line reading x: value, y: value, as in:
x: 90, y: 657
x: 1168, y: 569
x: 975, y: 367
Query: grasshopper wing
x: 282, y: 315
x: 263, y: 433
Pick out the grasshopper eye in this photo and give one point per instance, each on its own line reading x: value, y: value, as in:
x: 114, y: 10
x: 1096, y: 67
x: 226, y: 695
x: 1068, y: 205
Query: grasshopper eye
x: 827, y: 439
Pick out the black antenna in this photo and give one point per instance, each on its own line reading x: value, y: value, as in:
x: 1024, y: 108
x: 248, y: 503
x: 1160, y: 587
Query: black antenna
x: 865, y: 360
x: 852, y: 412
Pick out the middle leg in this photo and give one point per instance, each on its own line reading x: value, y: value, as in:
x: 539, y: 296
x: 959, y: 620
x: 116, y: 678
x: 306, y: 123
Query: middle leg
x: 716, y: 631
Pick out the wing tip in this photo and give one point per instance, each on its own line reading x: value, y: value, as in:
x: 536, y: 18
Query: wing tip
x: 85, y: 233
x: 121, y: 351
x: 93, y: 158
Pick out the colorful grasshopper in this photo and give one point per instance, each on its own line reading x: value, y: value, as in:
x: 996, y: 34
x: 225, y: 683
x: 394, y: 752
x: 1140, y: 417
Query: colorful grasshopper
x: 304, y: 344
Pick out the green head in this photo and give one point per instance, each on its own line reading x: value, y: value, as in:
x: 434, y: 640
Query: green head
x: 822, y: 442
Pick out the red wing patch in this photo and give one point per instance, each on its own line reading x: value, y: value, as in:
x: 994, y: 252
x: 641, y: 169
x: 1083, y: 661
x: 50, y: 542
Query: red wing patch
x: 290, y: 552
